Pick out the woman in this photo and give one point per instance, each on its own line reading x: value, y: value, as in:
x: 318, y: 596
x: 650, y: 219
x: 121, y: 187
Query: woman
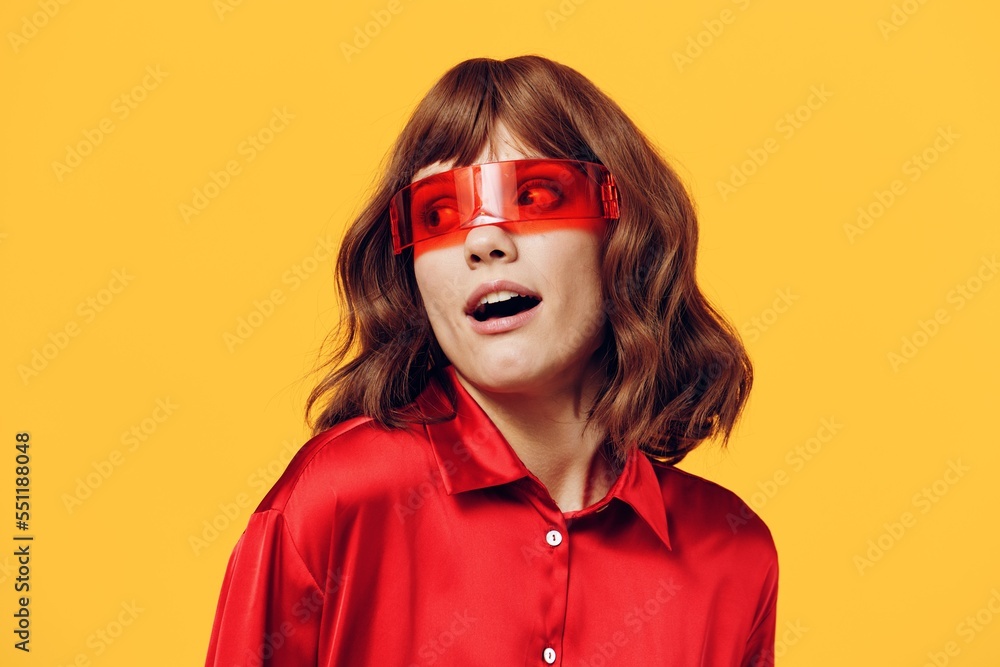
x: 524, y: 355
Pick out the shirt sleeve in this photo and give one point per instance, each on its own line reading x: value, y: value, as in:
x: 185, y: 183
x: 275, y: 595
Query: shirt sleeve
x: 269, y: 609
x: 760, y: 645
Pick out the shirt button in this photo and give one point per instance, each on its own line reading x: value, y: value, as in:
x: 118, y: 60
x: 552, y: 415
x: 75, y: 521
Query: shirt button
x: 549, y: 655
x: 554, y: 538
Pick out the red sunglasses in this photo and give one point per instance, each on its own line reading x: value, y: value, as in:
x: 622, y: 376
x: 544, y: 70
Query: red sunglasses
x: 498, y: 192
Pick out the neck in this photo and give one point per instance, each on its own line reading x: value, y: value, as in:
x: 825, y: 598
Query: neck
x: 549, y: 433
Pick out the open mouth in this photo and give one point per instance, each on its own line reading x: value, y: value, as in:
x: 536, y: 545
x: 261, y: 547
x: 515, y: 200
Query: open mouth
x: 503, y: 304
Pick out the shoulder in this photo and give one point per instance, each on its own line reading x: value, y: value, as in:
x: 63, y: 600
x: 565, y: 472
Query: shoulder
x: 354, y: 462
x: 356, y: 471
x: 702, y: 510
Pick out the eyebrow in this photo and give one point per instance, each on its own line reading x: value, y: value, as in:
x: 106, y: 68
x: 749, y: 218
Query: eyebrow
x: 426, y: 180
x: 419, y: 183
x: 438, y: 163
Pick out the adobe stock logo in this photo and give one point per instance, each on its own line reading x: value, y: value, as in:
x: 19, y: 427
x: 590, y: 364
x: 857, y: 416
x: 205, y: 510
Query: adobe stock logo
x: 59, y: 340
x: 101, y: 470
x: 122, y: 107
x: 913, y: 168
x: 797, y: 457
x: 565, y: 9
x: 923, y: 500
x: 712, y: 30
x: 101, y: 639
x: 635, y: 620
x: 758, y: 324
x: 438, y: 645
x: 967, y: 629
x: 787, y: 126
x: 264, y: 308
x: 223, y: 7
x: 30, y: 25
x: 363, y: 37
x: 958, y: 297
x: 900, y: 16
x: 215, y: 526
x: 248, y: 150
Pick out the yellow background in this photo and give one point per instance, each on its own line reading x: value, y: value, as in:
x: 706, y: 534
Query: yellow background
x: 822, y: 307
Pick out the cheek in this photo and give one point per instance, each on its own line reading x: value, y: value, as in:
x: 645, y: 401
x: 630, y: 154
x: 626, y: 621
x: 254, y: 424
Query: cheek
x: 579, y: 275
x: 426, y: 279
x: 437, y: 285
x: 578, y: 264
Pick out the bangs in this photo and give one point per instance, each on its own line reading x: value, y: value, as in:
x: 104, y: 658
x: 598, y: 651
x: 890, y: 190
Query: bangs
x: 462, y: 113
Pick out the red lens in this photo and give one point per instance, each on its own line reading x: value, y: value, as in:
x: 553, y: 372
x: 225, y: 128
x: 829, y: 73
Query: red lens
x: 498, y: 192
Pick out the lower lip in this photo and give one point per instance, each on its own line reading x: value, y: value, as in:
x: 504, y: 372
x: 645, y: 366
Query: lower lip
x: 497, y: 325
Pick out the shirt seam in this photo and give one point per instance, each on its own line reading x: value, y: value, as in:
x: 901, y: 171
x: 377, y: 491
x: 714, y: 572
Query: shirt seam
x: 295, y: 548
x: 308, y: 462
x: 280, y: 509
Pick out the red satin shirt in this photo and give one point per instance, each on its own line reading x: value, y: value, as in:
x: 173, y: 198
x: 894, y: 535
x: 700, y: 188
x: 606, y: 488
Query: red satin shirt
x: 435, y: 545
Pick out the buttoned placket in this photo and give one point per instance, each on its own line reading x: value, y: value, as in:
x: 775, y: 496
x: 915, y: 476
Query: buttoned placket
x: 472, y: 454
x: 553, y: 539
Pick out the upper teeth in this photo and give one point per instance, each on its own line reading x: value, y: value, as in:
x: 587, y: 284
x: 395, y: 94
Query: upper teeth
x: 502, y: 295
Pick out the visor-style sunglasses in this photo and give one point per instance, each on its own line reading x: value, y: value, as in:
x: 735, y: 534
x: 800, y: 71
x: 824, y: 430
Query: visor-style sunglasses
x: 498, y: 192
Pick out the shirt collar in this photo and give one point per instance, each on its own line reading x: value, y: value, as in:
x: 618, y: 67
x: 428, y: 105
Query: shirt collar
x: 472, y: 454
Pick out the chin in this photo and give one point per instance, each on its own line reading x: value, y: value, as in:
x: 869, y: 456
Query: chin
x: 504, y: 374
x: 499, y: 373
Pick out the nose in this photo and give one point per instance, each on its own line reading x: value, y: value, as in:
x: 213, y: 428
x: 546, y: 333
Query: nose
x: 486, y: 244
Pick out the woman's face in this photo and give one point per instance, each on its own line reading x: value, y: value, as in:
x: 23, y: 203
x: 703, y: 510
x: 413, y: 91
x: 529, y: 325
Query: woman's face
x: 541, y: 344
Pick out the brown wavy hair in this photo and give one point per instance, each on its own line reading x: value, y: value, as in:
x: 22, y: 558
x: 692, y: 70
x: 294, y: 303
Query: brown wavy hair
x: 676, y: 373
